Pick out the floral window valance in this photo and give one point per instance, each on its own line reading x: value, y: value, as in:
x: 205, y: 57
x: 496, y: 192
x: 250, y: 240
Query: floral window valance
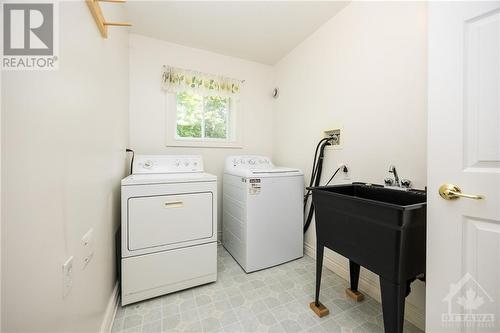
x: 178, y: 79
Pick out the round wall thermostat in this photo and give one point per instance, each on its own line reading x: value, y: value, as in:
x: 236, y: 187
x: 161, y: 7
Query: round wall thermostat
x: 276, y: 93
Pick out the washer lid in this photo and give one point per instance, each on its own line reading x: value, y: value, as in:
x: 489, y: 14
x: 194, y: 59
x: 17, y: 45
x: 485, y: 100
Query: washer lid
x: 168, y: 178
x: 275, y: 170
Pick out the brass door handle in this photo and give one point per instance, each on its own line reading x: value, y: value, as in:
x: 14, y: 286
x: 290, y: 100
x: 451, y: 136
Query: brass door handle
x: 452, y: 192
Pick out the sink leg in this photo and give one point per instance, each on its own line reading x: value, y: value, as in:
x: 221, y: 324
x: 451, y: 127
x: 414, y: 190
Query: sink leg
x: 353, y: 291
x: 393, y: 305
x: 316, y: 306
x: 320, y: 249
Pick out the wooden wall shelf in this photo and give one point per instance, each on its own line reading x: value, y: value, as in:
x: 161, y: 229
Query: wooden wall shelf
x: 96, y: 11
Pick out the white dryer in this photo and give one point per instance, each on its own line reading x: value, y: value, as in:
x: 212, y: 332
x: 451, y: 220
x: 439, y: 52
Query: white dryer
x: 262, y: 212
x: 169, y: 226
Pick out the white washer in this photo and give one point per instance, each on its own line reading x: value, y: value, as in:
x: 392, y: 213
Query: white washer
x: 169, y: 226
x: 262, y: 212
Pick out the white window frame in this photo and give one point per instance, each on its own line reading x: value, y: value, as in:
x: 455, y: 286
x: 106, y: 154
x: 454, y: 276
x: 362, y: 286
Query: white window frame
x: 235, y: 130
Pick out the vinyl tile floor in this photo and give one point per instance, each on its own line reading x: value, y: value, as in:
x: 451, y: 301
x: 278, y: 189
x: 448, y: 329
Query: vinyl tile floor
x: 272, y: 300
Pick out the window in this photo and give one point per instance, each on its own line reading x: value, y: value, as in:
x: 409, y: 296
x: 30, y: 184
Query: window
x: 202, y: 117
x: 202, y: 110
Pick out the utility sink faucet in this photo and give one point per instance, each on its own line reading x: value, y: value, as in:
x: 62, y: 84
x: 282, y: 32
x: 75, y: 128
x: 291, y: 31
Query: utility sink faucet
x: 392, y: 169
x: 396, y: 182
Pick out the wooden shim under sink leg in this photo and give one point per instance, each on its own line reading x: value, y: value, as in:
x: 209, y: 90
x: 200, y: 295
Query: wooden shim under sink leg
x: 355, y: 295
x: 320, y: 310
x: 353, y: 292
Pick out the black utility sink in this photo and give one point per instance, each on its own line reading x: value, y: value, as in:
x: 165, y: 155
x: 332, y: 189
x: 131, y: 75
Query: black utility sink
x: 381, y: 229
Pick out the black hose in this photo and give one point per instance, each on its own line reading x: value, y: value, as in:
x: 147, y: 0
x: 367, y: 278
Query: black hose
x: 315, y: 177
x: 314, y: 170
x: 320, y: 147
x: 309, y: 217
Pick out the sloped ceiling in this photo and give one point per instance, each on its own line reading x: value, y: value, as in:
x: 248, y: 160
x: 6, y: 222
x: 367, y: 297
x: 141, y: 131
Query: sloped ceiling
x: 262, y: 31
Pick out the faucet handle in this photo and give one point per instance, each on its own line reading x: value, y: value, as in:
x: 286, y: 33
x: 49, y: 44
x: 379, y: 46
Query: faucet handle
x: 388, y: 181
x: 406, y: 183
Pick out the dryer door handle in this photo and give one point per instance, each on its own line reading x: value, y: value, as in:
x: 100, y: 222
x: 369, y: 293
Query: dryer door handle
x: 174, y: 204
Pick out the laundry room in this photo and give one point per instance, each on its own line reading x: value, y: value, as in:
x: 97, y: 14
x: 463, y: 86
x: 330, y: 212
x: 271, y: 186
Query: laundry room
x: 249, y: 166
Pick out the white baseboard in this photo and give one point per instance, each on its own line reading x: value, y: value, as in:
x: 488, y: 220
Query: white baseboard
x: 371, y: 287
x: 109, y: 315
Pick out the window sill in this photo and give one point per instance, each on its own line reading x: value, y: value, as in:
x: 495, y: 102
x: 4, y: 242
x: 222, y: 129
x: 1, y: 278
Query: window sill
x: 203, y: 144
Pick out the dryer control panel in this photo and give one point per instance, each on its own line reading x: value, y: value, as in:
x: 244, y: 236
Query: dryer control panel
x: 167, y: 164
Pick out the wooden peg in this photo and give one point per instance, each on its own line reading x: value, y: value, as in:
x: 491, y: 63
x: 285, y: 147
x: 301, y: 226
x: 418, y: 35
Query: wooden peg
x: 102, y: 25
x: 118, y: 24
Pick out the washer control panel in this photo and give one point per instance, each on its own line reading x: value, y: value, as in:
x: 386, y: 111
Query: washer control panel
x: 253, y: 162
x: 167, y: 164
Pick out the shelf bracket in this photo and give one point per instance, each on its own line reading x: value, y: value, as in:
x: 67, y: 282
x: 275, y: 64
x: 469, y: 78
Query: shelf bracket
x: 102, y: 25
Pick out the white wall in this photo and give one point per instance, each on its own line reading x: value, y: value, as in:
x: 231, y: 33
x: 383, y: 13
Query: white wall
x: 365, y: 69
x: 147, y: 100
x: 63, y: 139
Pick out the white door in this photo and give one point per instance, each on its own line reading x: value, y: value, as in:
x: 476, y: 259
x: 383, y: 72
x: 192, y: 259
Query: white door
x: 463, y: 235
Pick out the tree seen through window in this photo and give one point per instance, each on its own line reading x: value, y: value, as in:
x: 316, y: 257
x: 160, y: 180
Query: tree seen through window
x: 202, y: 116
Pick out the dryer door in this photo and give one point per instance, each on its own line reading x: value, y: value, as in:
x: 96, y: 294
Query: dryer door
x: 169, y: 219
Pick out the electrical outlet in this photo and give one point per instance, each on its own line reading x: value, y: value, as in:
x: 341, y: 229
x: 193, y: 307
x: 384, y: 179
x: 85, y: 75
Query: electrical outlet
x: 345, y: 174
x: 67, y: 278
